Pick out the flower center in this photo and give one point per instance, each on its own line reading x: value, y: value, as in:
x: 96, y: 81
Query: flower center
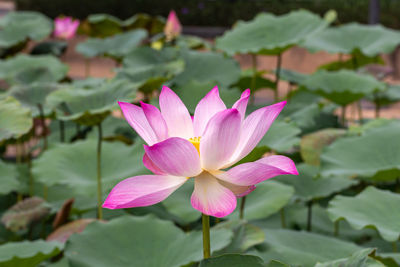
x: 196, y: 142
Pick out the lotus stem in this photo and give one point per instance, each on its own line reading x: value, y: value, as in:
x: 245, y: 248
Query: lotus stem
x: 359, y: 108
x: 377, y: 109
x: 18, y: 161
x: 309, y: 215
x: 394, y: 246
x: 44, y: 127
x: 283, y: 220
x: 99, y: 190
x: 206, y: 235
x: 29, y: 160
x: 62, y: 131
x: 277, y: 75
x: 336, y: 228
x: 242, y: 206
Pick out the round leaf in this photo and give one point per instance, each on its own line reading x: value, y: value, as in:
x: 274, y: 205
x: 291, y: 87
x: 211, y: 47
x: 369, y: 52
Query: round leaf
x: 15, y: 120
x: 74, y: 165
x: 375, y: 155
x: 8, y: 178
x: 233, y: 260
x: 373, y: 207
x: 139, y: 241
x: 270, y: 34
x: 370, y: 40
x: 342, y: 87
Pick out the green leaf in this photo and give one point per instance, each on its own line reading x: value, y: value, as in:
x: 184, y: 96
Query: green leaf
x: 208, y: 67
x: 268, y: 198
x: 371, y: 40
x: 139, y: 241
x: 55, y: 48
x: 233, y: 260
x: 8, y: 178
x: 15, y: 120
x: 356, y: 61
x: 74, y: 166
x: 116, y: 46
x: 33, y: 95
x: 292, y: 76
x: 17, y: 27
x: 16, y: 70
x: 91, y: 106
x: 192, y: 92
x: 308, y: 186
x: 312, y: 144
x: 179, y: 205
x: 370, y: 155
x: 342, y: 87
x: 281, y: 137
x: 373, y: 207
x: 303, y: 248
x: 359, y: 258
x: 270, y: 34
x: 260, y: 82
x: 28, y: 253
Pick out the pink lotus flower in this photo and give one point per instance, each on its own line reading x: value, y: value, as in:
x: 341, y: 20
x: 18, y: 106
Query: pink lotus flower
x: 65, y: 27
x: 180, y: 147
x: 173, y: 27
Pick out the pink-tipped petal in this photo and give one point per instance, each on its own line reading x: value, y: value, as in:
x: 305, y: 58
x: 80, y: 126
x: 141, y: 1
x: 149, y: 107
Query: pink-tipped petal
x: 254, y: 128
x: 136, y: 118
x: 211, y: 198
x: 140, y: 191
x: 241, y: 104
x: 206, y: 109
x: 252, y: 173
x: 151, y: 166
x: 220, y: 139
x: 156, y: 121
x: 238, y: 190
x: 175, y: 156
x: 175, y: 114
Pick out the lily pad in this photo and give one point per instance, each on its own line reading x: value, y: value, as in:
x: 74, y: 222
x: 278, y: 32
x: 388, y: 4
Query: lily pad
x: 359, y: 258
x: 39, y: 68
x: 207, y: 67
x: 311, y: 145
x: 192, y: 92
x: 292, y: 76
x: 233, y: 260
x: 270, y: 34
x: 63, y: 233
x: 247, y: 80
x: 142, y: 238
x: 90, y: 106
x: 8, y: 178
x: 74, y: 166
x: 281, y: 137
x: 17, y: 27
x: 24, y: 213
x: 55, y: 48
x: 15, y: 119
x: 268, y: 198
x: 116, y: 46
x: 373, y: 207
x: 371, y: 155
x: 371, y: 40
x: 28, y: 253
x: 309, y: 186
x: 303, y: 248
x: 342, y: 87
x: 33, y: 95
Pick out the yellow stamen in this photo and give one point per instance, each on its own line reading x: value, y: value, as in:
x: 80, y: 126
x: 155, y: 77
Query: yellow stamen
x: 196, y: 142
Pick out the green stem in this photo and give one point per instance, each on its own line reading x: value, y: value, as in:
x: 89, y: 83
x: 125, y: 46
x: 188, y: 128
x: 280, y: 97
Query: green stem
x: 254, y: 78
x: 359, y: 108
x: 99, y: 190
x: 309, y: 215
x: 242, y: 205
x: 277, y: 75
x: 18, y: 158
x: 377, y: 109
x: 44, y: 127
x: 62, y: 132
x: 206, y: 236
x: 29, y: 159
x: 394, y: 246
x: 336, y: 230
x: 283, y: 221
